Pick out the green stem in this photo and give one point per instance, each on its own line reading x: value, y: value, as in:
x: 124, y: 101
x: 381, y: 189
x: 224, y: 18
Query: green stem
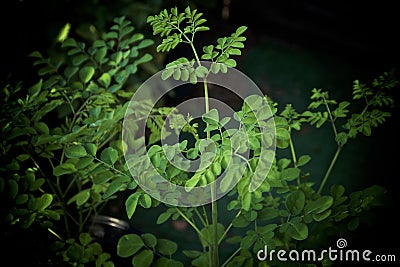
x: 201, y: 218
x: 228, y: 228
x: 328, y: 172
x: 293, y: 156
x: 206, y: 100
x: 293, y: 152
x: 56, y: 191
x: 330, y: 116
x: 110, y: 166
x: 205, y: 215
x: 189, y: 221
x: 214, y: 215
x: 214, y: 207
x: 231, y: 257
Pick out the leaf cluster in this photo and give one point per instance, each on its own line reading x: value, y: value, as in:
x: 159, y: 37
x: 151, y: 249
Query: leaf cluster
x: 176, y: 28
x: 169, y: 26
x: 61, y: 145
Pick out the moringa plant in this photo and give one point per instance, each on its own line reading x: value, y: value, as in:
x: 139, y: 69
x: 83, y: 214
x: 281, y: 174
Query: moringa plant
x: 272, y: 201
x: 81, y: 136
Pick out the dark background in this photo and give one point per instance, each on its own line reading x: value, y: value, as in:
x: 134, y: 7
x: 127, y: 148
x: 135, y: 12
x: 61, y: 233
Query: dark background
x: 363, y: 33
x: 292, y: 47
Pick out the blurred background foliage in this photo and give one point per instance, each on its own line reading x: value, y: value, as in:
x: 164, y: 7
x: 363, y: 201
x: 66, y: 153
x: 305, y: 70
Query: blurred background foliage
x: 293, y: 46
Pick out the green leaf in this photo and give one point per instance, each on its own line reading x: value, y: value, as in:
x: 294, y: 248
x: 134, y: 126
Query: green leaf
x: 45, y: 201
x: 23, y: 157
x: 42, y: 127
x: 105, y: 80
x: 84, y: 162
x: 283, y: 163
x: 163, y: 217
x: 13, y: 188
x: 145, y: 201
x: 337, y: 192
x: 69, y: 42
x: 79, y: 59
x: 202, y: 28
x: 230, y: 62
x: 177, y: 74
x: 215, y: 67
x: 35, y: 89
x: 91, y: 149
x: 36, y: 184
x: 295, y: 202
x: 85, y: 239
x: 240, y: 221
x: 109, y: 155
x: 268, y: 214
x: 136, y: 37
x: 319, y: 205
x: 49, y: 106
x: 303, y: 160
x: 149, y: 240
x: 80, y: 198
x: 40, y: 203
x: 143, y: 259
x: 192, y: 182
x: 167, y: 73
x: 166, y: 247
x: 193, y: 77
x: 114, y: 187
x: 297, y: 230
x: 246, y: 200
x: 234, y: 51
x: 21, y: 199
x: 248, y: 240
x: 211, y: 117
x: 201, y: 71
x: 322, y: 216
x: 145, y: 43
x: 131, y: 204
x: 64, y: 168
x: 192, y: 253
x: 86, y: 73
x: 185, y: 75
x: 207, y: 234
x: 128, y: 245
x: 341, y: 138
x: 145, y: 58
x: 290, y: 174
x: 282, y: 138
x: 75, y: 151
x: 241, y: 30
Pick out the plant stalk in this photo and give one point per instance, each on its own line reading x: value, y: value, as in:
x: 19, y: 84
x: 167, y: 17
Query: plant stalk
x: 214, y: 207
x: 328, y: 172
x: 191, y: 223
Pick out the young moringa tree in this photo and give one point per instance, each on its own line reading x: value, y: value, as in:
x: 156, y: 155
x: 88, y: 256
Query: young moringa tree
x: 279, y: 209
x: 71, y: 143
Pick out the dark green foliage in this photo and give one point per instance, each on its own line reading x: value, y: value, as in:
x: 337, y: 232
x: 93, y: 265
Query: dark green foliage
x: 61, y: 152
